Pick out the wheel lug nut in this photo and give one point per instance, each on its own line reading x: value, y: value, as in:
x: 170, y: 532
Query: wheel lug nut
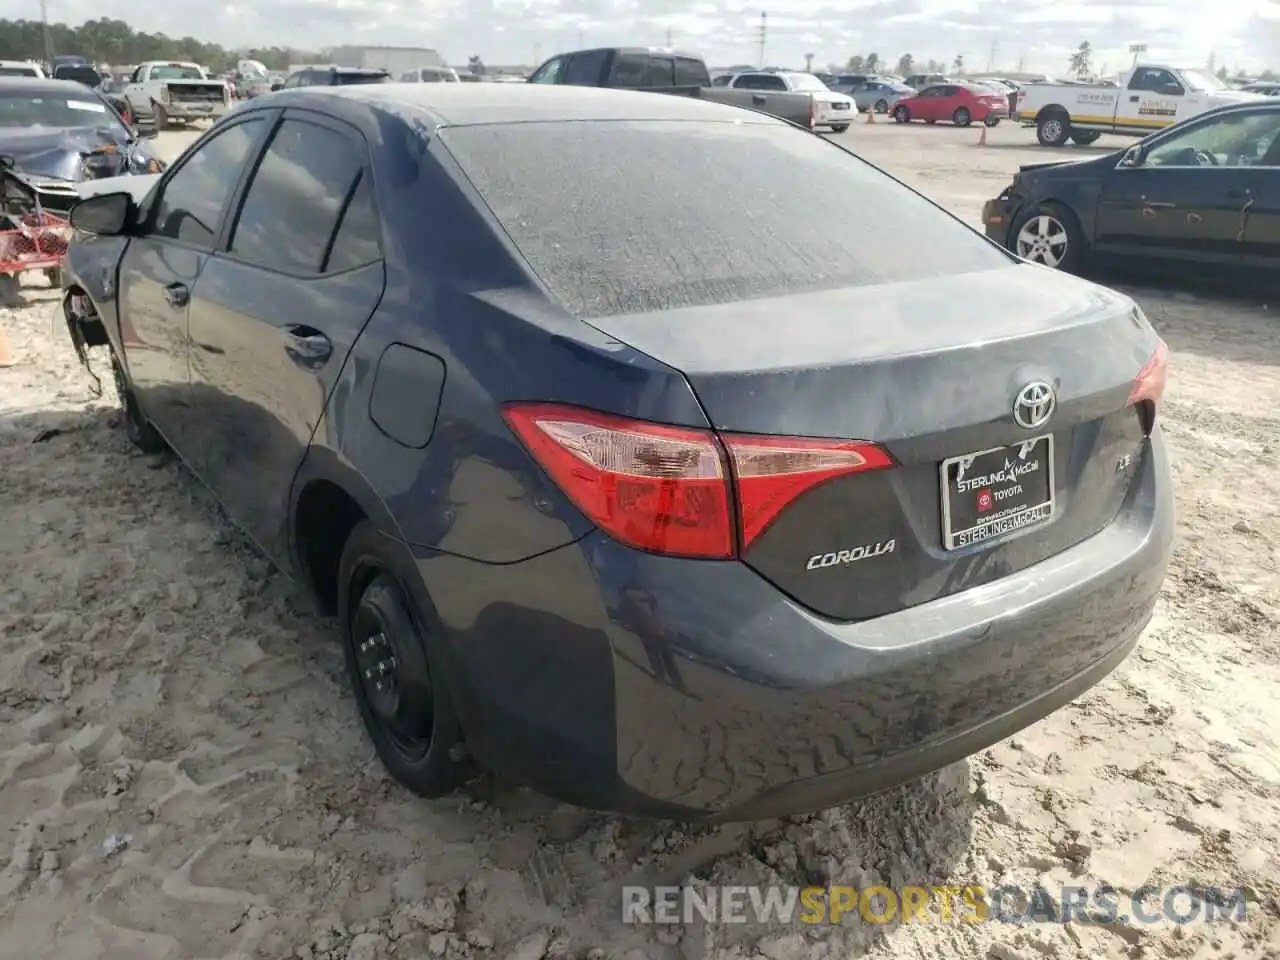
x: 368, y: 674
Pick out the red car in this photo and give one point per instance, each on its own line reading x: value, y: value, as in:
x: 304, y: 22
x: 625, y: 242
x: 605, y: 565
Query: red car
x: 960, y: 104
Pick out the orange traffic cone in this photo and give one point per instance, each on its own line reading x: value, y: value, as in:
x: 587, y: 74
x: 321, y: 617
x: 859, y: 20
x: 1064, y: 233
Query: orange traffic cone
x: 982, y: 139
x: 6, y: 352
x: 871, y: 114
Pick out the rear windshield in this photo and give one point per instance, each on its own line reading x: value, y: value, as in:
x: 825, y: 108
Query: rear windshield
x: 176, y: 71
x: 631, y: 217
x: 346, y: 78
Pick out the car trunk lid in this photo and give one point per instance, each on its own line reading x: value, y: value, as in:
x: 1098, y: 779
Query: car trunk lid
x: 930, y: 371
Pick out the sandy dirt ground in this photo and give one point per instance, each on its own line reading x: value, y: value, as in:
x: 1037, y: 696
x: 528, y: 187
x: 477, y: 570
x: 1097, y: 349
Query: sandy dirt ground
x: 183, y: 774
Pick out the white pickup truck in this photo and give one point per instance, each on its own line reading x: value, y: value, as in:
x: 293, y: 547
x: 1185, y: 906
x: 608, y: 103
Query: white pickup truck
x: 1148, y: 97
x: 175, y: 92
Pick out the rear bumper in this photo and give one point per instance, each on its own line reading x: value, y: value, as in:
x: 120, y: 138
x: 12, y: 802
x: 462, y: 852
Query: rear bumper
x: 663, y: 687
x: 194, y: 111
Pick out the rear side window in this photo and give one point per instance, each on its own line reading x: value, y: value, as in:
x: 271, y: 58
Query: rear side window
x: 585, y: 69
x: 691, y: 73
x: 724, y: 212
x: 356, y: 241
x: 630, y: 70
x: 662, y: 72
x: 296, y: 197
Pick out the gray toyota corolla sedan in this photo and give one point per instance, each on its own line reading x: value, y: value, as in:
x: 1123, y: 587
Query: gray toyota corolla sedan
x: 638, y: 442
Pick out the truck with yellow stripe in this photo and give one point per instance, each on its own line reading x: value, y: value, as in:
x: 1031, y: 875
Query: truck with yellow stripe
x: 1149, y: 97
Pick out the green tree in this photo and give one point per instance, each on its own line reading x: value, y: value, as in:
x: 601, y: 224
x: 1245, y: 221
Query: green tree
x: 476, y: 65
x: 906, y: 65
x: 958, y: 63
x: 1081, y: 59
x: 873, y: 62
x: 115, y: 42
x: 936, y: 66
x: 855, y: 64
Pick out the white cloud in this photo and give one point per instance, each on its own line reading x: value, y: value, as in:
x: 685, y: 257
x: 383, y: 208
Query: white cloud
x: 1038, y: 33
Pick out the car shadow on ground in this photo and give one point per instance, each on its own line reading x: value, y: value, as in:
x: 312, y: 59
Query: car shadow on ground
x: 237, y: 665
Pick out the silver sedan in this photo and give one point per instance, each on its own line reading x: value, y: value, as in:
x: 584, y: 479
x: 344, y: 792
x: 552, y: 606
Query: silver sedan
x: 880, y: 95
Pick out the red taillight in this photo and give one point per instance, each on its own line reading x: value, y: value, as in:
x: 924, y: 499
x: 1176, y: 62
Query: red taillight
x: 771, y: 472
x: 669, y: 489
x: 658, y: 488
x: 1149, y: 384
x: 1148, y: 387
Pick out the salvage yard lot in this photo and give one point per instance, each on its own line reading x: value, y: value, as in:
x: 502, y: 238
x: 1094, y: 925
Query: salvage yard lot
x: 183, y: 774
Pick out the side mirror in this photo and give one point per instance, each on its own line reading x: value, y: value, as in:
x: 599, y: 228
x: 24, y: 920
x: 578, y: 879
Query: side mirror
x: 1135, y: 156
x: 106, y: 215
x: 277, y: 86
x: 145, y: 130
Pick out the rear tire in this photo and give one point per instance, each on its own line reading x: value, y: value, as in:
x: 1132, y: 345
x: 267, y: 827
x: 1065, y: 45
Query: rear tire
x: 901, y: 114
x: 161, y: 116
x: 403, y: 702
x: 1053, y: 129
x: 961, y: 118
x: 881, y: 106
x: 136, y: 426
x: 1085, y: 137
x: 839, y: 128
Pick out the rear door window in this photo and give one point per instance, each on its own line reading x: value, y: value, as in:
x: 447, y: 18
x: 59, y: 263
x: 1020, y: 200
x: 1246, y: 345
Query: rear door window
x: 725, y: 212
x: 586, y: 69
x: 630, y: 70
x: 691, y: 73
x: 662, y: 72
x: 296, y: 198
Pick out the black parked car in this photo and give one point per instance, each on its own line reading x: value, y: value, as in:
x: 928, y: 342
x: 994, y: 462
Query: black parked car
x: 647, y: 519
x: 1201, y: 196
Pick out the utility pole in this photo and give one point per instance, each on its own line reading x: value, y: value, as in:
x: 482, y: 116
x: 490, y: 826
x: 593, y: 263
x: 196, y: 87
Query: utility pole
x: 581, y: 44
x: 668, y: 36
x: 48, y: 38
x: 991, y: 57
x: 764, y: 35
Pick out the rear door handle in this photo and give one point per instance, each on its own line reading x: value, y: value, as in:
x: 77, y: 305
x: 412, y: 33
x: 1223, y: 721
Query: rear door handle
x: 178, y: 295
x: 306, y: 345
x: 758, y: 100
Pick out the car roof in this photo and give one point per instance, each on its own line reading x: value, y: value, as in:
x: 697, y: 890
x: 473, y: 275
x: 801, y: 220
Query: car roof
x: 644, y: 51
x: 466, y: 104
x: 35, y: 85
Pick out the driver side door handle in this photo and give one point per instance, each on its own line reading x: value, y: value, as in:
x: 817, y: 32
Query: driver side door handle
x: 758, y: 99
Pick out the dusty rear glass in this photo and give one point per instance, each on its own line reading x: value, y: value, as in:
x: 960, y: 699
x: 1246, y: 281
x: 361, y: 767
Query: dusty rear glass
x: 630, y: 217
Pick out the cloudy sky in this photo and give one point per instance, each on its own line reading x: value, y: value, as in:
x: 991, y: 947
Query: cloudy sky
x: 1039, y: 34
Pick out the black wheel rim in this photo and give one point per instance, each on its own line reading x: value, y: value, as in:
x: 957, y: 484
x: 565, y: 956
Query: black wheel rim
x: 400, y: 702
